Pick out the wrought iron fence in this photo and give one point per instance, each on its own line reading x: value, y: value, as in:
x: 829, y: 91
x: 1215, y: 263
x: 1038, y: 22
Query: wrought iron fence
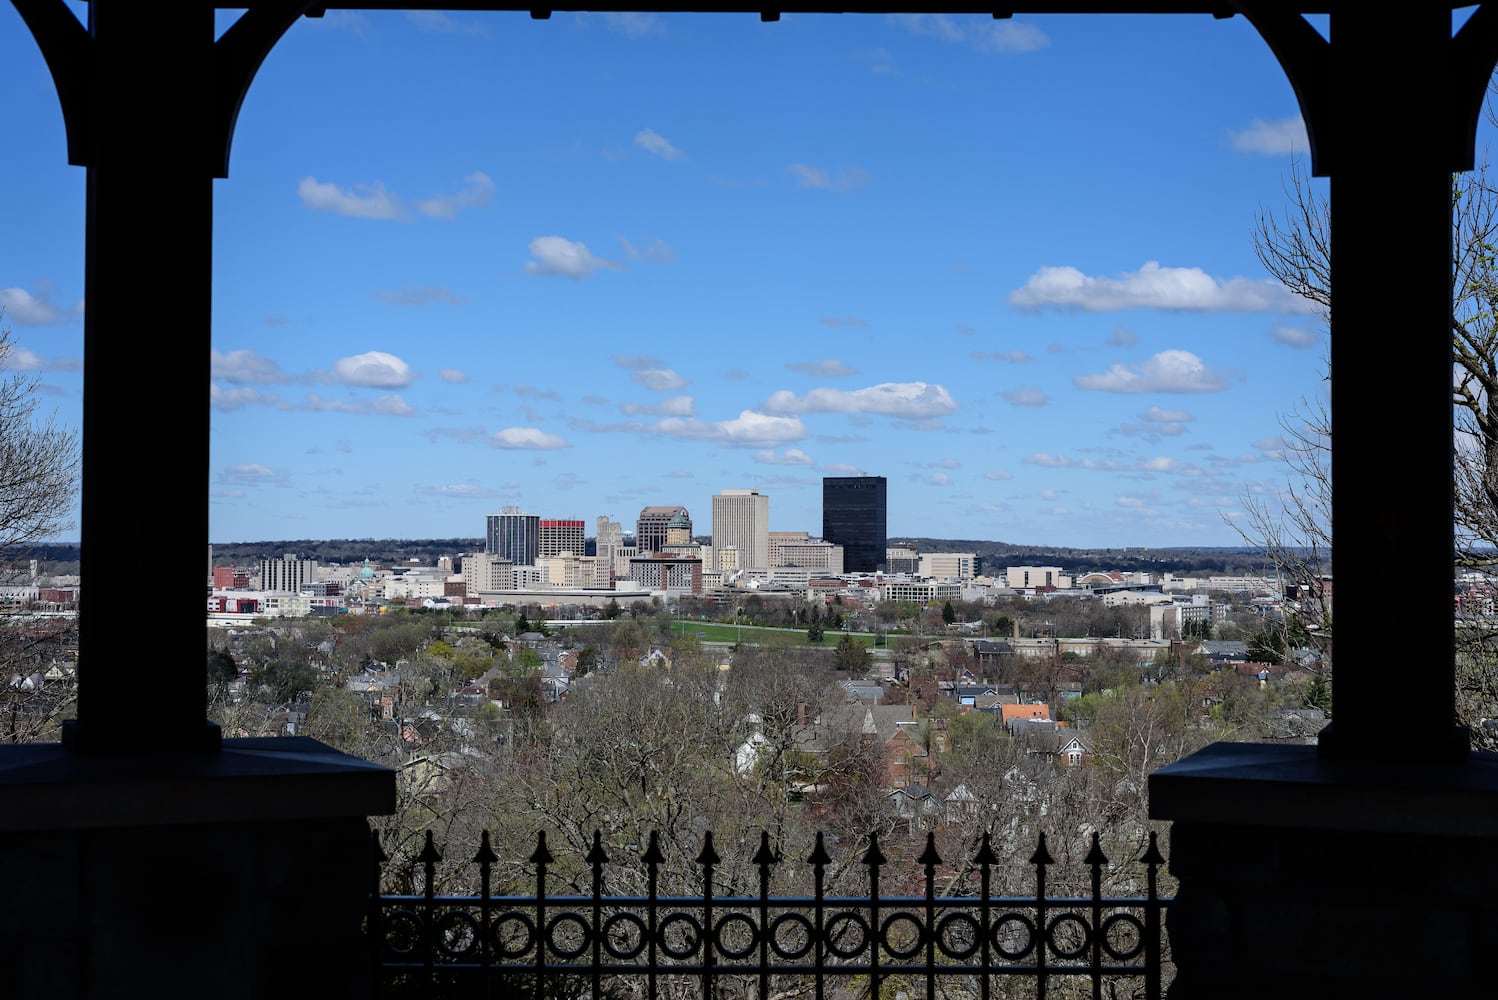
x: 599, y: 945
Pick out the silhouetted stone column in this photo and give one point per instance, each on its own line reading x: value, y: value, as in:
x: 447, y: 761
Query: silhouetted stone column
x: 1362, y: 867
x: 149, y: 288
x: 1391, y: 363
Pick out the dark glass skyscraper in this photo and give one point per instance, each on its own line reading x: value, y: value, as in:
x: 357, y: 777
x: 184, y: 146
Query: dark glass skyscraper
x: 853, y: 509
x: 515, y: 536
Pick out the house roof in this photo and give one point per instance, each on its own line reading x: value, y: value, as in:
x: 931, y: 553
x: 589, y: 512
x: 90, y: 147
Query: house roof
x: 1011, y: 712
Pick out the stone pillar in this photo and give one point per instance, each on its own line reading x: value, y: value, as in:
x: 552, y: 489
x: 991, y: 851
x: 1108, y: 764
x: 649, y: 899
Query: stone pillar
x: 239, y: 874
x: 1301, y: 877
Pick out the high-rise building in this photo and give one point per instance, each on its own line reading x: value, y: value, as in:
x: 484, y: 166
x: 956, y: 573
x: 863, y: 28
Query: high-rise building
x: 608, y: 540
x: 853, y: 516
x: 287, y: 574
x: 562, y: 536
x: 656, y: 523
x: 741, y: 518
x: 514, y: 537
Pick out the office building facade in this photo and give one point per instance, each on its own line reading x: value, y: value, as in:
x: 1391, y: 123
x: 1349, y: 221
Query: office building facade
x: 853, y: 516
x: 288, y: 574
x: 514, y: 537
x: 558, y: 536
x: 741, y: 518
x: 657, y: 524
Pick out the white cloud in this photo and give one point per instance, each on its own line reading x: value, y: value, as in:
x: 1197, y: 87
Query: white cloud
x: 461, y: 434
x: 365, y: 201
x: 253, y: 474
x: 438, y: 23
x: 462, y: 491
x: 791, y: 456
x: 22, y: 307
x: 999, y: 475
x: 659, y: 379
x: 826, y: 368
x: 373, y: 370
x: 631, y: 24
x: 1156, y: 287
x: 1272, y: 138
x: 317, y: 404
x: 452, y: 376
x: 748, y: 430
x: 477, y: 191
x: 940, y: 479
x: 1005, y: 37
x: 845, y: 179
x: 653, y: 142
x: 23, y: 359
x: 1158, y: 464
x: 1158, y: 423
x: 1025, y: 395
x: 1122, y: 337
x: 908, y: 400
x: 556, y: 255
x: 232, y: 399
x: 391, y: 406
x: 843, y: 470
x: 1294, y: 336
x: 657, y: 250
x: 637, y: 361
x: 671, y: 406
x: 1134, y: 503
x: 1013, y: 357
x: 417, y: 296
x: 244, y: 366
x: 527, y: 438
x: 1168, y: 371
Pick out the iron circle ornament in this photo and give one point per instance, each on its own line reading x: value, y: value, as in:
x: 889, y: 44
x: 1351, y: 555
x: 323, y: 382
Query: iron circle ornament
x: 834, y: 926
x: 562, y: 921
x: 1132, y: 929
x: 1062, y: 925
x: 456, y: 933
x: 1005, y: 930
x: 402, y: 931
x: 625, y: 949
x: 726, y: 925
x: 958, y: 935
x: 688, y: 931
x: 500, y: 931
x: 917, y: 938
x: 800, y: 922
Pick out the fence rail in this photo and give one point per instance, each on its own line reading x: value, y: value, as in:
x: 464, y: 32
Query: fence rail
x: 574, y: 945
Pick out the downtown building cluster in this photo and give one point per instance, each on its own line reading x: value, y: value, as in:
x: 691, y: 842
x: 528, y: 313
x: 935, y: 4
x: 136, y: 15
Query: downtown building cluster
x: 554, y: 562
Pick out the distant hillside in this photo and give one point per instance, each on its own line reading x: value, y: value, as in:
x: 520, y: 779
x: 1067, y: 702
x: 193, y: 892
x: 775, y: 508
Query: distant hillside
x: 994, y: 555
x: 346, y: 550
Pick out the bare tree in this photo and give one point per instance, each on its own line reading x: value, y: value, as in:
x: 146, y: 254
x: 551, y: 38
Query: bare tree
x: 38, y: 463
x: 38, y: 479
x: 1294, y: 528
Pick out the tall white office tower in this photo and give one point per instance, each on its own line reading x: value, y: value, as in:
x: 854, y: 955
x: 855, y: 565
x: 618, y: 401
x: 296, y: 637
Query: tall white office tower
x: 741, y: 518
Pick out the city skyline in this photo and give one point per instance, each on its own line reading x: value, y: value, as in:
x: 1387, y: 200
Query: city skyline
x: 1005, y: 264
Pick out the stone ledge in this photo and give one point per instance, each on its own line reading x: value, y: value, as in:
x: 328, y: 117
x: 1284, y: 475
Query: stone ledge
x: 1269, y: 785
x: 43, y: 786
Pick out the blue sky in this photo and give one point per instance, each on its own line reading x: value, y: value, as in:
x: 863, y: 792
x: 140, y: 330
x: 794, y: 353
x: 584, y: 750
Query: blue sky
x: 593, y: 263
